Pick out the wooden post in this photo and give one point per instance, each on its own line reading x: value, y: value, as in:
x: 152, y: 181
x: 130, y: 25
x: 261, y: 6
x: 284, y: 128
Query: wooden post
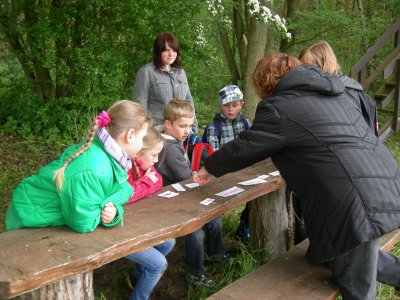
x: 77, y: 287
x: 396, y: 117
x: 269, y: 223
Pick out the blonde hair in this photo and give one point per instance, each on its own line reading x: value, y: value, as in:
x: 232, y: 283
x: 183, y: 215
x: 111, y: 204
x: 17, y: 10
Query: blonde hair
x: 124, y: 115
x: 152, y: 139
x: 175, y: 109
x: 269, y: 70
x: 321, y: 55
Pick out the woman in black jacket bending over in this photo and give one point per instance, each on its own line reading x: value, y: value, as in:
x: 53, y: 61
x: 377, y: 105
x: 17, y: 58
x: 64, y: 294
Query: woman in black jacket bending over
x: 347, y: 181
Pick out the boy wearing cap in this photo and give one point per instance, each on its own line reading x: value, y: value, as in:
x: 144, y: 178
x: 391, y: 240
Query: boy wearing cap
x: 226, y: 126
x: 230, y: 121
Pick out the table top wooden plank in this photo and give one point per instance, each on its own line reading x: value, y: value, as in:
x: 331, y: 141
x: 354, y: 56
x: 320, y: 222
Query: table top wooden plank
x: 33, y: 257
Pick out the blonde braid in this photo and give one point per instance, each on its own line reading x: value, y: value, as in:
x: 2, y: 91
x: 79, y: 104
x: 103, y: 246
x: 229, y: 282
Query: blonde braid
x: 60, y: 173
x: 136, y: 169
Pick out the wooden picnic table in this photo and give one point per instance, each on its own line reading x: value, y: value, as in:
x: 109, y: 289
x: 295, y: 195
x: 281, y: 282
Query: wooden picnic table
x: 57, y: 260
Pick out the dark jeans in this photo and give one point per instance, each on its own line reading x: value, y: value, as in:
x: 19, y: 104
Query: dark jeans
x: 388, y: 269
x: 244, y: 216
x: 212, y: 231
x: 355, y: 271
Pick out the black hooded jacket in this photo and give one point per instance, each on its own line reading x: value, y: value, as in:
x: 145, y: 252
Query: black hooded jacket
x: 347, y: 181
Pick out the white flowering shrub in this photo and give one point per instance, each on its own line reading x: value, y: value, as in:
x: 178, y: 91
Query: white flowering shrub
x: 260, y: 12
x: 264, y: 14
x: 201, y: 40
x: 218, y: 10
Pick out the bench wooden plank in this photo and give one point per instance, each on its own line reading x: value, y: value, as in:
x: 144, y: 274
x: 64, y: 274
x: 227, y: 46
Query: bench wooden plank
x: 34, y: 257
x: 290, y: 277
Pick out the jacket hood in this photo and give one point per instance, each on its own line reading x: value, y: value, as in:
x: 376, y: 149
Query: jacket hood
x: 310, y: 78
x: 351, y: 83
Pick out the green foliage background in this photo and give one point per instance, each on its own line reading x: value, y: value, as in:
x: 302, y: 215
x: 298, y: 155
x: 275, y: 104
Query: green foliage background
x: 92, y: 51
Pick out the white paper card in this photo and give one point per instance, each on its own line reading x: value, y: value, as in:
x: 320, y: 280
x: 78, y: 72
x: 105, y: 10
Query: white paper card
x: 178, y: 187
x: 168, y: 194
x: 192, y: 185
x: 230, y: 192
x: 275, y: 173
x: 263, y: 176
x: 207, y: 201
x: 253, y: 181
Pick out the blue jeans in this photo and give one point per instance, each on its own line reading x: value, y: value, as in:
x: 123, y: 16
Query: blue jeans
x: 195, y: 245
x: 151, y: 265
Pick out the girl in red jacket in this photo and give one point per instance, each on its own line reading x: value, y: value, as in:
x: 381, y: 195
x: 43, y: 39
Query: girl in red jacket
x: 145, y: 180
x: 143, y: 177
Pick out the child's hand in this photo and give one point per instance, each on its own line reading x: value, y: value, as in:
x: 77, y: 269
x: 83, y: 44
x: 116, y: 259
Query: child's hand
x: 108, y: 213
x: 202, y: 176
x: 151, y: 175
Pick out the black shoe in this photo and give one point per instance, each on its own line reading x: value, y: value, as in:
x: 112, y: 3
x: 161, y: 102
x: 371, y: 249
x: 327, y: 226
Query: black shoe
x: 243, y: 232
x: 131, y: 280
x: 216, y: 258
x: 201, y: 280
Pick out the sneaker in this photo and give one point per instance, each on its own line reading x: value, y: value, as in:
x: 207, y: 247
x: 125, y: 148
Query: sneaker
x: 201, y: 280
x: 131, y: 280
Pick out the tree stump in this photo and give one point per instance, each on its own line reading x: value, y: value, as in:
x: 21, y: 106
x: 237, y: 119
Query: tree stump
x: 77, y: 287
x: 271, y: 224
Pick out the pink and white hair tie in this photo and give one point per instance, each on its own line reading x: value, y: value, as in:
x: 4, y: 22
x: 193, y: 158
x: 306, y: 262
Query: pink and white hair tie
x: 103, y: 119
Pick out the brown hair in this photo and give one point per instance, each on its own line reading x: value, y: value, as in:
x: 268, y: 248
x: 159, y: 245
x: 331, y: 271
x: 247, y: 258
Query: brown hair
x: 124, y: 115
x: 160, y: 43
x: 269, y: 70
x: 175, y: 109
x: 321, y: 55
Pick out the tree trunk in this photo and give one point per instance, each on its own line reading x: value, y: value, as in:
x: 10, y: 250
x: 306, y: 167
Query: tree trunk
x: 77, y: 287
x: 37, y: 47
x: 230, y: 59
x: 255, y: 51
x: 239, y: 30
x: 292, y: 7
x: 363, y: 23
x: 269, y: 224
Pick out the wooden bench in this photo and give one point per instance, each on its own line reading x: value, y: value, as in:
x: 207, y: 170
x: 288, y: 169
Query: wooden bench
x: 57, y: 263
x: 290, y: 277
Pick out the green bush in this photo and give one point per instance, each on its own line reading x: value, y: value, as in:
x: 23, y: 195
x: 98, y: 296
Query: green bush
x: 23, y: 114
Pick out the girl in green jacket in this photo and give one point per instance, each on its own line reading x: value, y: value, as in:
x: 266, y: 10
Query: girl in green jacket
x: 87, y: 185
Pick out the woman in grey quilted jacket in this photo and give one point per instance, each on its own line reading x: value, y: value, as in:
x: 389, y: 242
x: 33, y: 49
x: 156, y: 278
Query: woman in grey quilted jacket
x: 163, y: 79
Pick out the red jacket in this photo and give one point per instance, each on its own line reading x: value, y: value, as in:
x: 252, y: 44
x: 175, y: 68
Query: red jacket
x: 143, y: 186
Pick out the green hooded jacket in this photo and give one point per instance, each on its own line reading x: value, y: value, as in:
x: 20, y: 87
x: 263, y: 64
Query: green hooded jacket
x: 91, y: 180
